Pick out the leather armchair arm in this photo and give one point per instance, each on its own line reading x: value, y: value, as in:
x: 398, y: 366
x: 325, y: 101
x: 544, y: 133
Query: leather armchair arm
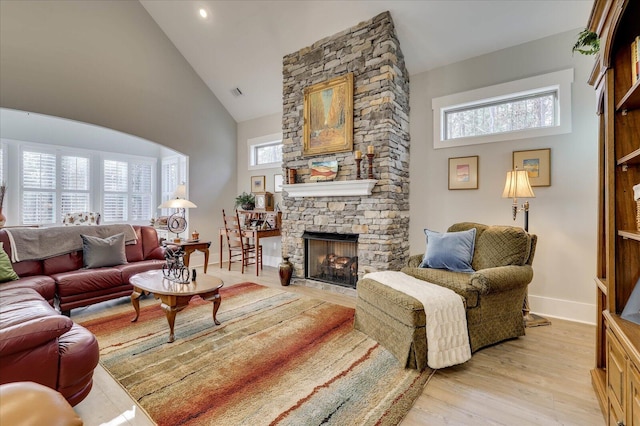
x: 32, y: 333
x: 502, y: 278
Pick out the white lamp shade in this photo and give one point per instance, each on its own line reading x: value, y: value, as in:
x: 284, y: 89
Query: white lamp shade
x: 181, y: 191
x: 177, y: 203
x: 517, y: 185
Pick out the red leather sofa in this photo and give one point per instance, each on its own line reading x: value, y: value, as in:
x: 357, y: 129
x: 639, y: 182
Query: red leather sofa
x: 39, y: 344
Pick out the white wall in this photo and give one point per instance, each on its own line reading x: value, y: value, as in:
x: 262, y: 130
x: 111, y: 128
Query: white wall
x: 564, y: 215
x: 109, y: 64
x: 263, y: 126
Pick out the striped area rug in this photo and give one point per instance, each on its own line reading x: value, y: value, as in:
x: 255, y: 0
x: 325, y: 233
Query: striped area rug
x: 277, y: 359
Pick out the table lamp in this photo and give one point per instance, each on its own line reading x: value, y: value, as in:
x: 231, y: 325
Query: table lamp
x: 177, y: 222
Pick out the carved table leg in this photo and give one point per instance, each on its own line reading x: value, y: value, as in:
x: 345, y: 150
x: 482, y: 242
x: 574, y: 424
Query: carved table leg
x: 135, y: 296
x: 214, y: 297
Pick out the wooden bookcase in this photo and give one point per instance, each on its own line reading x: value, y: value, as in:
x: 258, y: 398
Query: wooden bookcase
x: 618, y: 263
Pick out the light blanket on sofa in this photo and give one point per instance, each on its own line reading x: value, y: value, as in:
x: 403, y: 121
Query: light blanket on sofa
x: 446, y: 325
x: 44, y: 243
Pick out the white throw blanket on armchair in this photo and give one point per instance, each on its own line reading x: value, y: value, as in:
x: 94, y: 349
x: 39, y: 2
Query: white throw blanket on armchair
x: 447, y: 335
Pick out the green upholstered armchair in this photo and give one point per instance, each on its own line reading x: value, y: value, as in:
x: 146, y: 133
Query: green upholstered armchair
x: 495, y: 292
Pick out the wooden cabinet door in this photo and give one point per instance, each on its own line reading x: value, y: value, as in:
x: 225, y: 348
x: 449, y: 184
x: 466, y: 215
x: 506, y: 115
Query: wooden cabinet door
x: 634, y: 397
x: 616, y: 380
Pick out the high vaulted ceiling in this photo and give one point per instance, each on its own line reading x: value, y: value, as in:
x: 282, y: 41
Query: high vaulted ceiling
x: 242, y: 42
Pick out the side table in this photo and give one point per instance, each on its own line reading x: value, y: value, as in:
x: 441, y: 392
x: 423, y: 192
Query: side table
x: 191, y: 246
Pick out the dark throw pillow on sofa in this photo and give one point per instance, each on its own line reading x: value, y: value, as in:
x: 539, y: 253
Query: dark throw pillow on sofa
x: 451, y: 250
x: 6, y: 269
x: 99, y: 252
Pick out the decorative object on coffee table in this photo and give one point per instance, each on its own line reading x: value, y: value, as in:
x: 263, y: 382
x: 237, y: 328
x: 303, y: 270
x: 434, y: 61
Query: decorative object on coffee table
x: 174, y: 268
x: 285, y: 270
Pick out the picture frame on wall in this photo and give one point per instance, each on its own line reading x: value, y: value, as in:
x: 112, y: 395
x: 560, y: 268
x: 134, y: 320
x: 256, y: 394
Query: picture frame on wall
x: 537, y: 162
x: 257, y: 184
x: 463, y: 172
x: 277, y: 183
x: 328, y: 116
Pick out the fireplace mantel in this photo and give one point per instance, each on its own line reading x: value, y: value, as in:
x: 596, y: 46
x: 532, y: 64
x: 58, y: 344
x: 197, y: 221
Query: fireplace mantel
x: 336, y: 188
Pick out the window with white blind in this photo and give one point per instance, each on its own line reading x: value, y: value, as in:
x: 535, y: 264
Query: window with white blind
x: 127, y: 190
x: 173, y: 173
x: 54, y: 180
x: 38, y: 188
x: 75, y: 184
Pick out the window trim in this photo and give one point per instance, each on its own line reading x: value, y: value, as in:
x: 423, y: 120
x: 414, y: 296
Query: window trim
x: 559, y: 81
x: 253, y: 143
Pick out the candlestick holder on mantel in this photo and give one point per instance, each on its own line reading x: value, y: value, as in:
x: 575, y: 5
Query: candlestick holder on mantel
x: 370, y: 159
x: 358, y: 161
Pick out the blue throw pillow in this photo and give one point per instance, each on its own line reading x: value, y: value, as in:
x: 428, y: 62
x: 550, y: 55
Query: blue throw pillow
x: 451, y: 250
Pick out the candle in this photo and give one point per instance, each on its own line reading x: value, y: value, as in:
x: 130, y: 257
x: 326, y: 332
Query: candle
x: 358, y: 155
x: 370, y: 149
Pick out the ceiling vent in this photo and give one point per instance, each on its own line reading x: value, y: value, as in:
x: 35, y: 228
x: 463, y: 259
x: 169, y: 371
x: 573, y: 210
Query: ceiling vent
x: 236, y: 92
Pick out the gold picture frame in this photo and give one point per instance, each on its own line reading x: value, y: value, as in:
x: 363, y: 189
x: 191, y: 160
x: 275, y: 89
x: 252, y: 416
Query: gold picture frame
x: 537, y: 162
x: 328, y: 116
x: 463, y: 172
x: 257, y: 184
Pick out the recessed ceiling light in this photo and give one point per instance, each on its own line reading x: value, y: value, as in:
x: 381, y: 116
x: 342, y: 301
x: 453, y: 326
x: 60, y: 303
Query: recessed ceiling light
x: 203, y: 13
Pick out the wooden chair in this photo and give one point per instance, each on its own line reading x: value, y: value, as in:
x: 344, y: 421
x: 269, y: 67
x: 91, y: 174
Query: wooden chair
x: 240, y: 248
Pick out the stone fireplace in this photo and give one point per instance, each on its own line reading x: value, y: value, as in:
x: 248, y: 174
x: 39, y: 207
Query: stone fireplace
x: 331, y: 258
x: 378, y: 216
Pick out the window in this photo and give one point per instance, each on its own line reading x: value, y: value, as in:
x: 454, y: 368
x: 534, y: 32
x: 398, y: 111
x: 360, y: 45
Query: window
x: 38, y: 188
x: 127, y: 190
x: 174, y: 172
x: 532, y: 107
x: 75, y: 184
x: 265, y: 152
x: 115, y: 175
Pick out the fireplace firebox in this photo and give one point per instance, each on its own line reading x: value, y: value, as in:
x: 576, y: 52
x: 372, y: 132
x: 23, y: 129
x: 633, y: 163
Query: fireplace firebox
x: 331, y: 258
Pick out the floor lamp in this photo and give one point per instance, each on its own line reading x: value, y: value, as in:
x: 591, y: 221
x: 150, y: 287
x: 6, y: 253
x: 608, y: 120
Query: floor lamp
x: 518, y: 186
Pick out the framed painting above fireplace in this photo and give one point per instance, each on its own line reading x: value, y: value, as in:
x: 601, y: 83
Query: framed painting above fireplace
x: 328, y: 116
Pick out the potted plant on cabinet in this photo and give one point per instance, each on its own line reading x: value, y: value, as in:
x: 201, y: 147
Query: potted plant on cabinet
x: 246, y: 201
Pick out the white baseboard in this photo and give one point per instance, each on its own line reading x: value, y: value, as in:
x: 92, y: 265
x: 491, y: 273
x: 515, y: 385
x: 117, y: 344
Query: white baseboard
x: 563, y: 309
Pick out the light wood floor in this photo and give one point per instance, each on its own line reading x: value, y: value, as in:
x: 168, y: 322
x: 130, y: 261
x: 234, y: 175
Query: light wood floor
x: 539, y: 379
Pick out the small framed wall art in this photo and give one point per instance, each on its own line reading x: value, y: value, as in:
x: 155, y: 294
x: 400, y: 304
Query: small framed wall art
x: 277, y: 183
x: 463, y: 172
x: 257, y: 183
x: 537, y: 162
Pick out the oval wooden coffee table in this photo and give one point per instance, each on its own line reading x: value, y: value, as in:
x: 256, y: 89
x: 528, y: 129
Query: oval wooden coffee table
x: 174, y: 296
